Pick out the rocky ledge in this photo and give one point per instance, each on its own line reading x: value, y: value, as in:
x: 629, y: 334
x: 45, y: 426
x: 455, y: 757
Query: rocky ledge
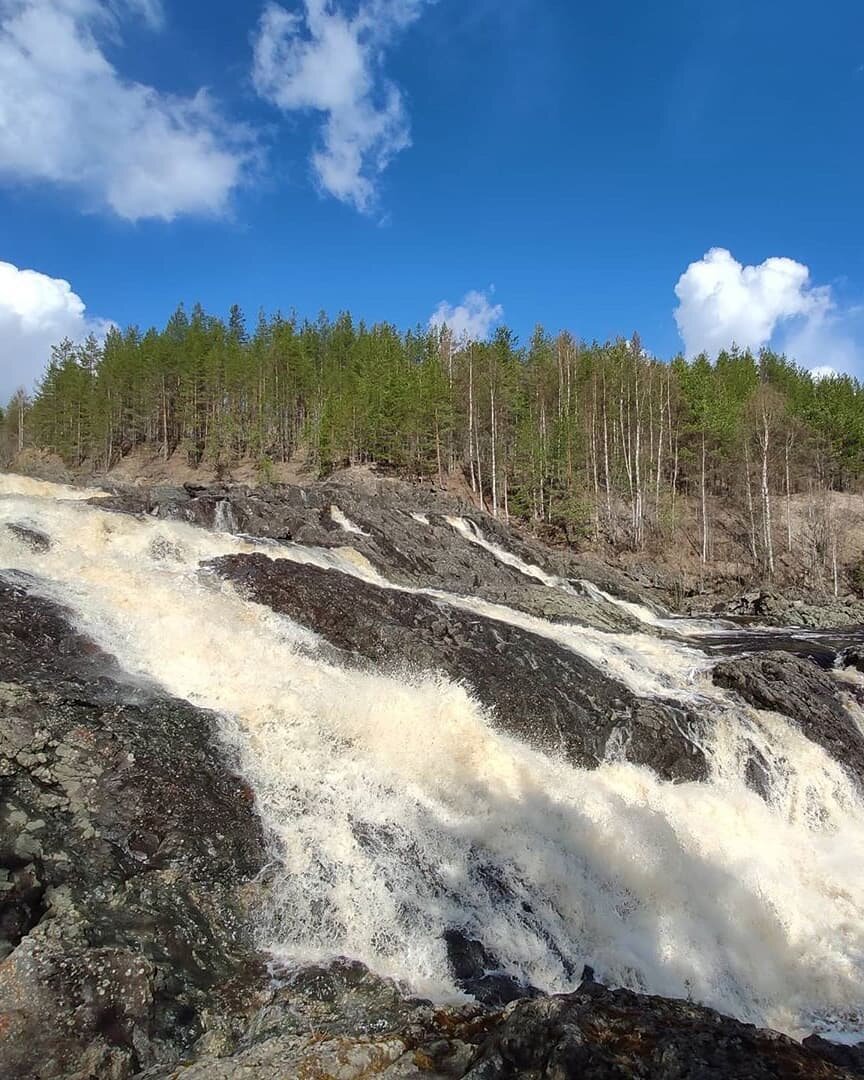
x: 803, y: 692
x: 128, y: 849
x: 770, y: 607
x: 538, y: 690
x: 342, y: 1023
x: 403, y: 530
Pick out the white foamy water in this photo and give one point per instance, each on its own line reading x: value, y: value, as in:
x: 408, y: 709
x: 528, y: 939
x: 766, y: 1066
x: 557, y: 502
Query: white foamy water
x: 398, y: 810
x: 681, y: 627
x: 345, y: 523
x: 12, y: 484
x: 473, y: 534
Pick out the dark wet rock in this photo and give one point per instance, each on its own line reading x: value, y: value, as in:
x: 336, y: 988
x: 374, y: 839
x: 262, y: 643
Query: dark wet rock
x: 845, y: 1057
x: 33, y: 538
x: 801, y: 691
x: 853, y: 656
x: 539, y: 690
x: 615, y: 1035
x: 38, y: 642
x: 403, y: 549
x: 127, y: 852
x: 479, y: 973
x: 822, y: 646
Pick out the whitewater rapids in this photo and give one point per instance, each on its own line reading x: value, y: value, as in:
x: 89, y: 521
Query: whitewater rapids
x: 397, y: 810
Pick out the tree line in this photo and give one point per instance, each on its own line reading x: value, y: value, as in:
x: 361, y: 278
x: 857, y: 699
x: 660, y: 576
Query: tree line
x: 599, y: 441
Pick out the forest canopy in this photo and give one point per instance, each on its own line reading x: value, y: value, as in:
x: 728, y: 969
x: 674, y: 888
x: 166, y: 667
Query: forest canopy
x: 599, y: 439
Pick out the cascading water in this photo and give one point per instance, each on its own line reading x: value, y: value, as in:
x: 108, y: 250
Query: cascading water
x: 397, y: 810
x: 640, y: 612
x: 345, y: 523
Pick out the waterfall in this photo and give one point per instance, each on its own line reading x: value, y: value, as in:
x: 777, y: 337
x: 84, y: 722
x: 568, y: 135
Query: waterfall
x: 397, y: 810
x: 642, y: 613
x: 345, y: 523
x: 224, y: 518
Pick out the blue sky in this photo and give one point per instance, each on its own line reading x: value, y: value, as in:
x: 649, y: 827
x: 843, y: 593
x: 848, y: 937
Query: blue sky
x: 564, y: 162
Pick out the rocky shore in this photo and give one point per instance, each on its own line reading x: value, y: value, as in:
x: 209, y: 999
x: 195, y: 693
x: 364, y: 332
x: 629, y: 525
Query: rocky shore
x: 134, y: 867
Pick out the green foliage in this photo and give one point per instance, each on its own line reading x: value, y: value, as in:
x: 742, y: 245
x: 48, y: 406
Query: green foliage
x: 555, y: 430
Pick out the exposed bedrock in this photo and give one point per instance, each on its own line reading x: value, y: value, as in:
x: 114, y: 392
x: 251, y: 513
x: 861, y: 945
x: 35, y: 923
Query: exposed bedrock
x: 770, y: 607
x: 803, y: 692
x: 403, y: 549
x: 127, y: 848
x: 130, y: 867
x: 344, y: 1024
x: 539, y: 690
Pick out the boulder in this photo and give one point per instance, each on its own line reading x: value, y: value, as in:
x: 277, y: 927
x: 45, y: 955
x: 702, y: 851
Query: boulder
x: 804, y: 693
x: 616, y: 1034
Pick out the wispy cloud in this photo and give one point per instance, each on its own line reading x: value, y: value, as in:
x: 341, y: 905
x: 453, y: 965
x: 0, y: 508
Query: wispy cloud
x: 151, y: 11
x: 721, y: 302
x: 330, y: 62
x: 36, y: 312
x: 472, y: 320
x: 68, y: 117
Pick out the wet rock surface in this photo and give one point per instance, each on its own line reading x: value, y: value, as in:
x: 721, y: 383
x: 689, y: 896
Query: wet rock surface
x: 538, y: 690
x: 33, y: 538
x: 343, y: 1023
x: 804, y: 693
x: 603, y: 1033
x: 426, y: 554
x: 127, y: 851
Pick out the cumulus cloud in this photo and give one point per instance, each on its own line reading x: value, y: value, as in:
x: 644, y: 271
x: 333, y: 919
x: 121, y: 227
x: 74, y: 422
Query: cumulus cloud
x: 330, y: 62
x: 68, y: 117
x: 36, y: 312
x: 721, y: 302
x: 471, y: 320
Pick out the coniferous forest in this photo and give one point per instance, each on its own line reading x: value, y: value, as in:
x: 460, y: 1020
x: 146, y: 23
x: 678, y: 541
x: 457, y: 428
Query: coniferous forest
x: 596, y: 442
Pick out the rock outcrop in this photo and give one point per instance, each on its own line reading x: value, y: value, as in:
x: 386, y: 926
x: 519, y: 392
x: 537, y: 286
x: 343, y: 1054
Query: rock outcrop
x: 538, y: 690
x: 343, y: 1023
x: 770, y: 607
x: 805, y: 694
x: 425, y: 553
x: 127, y: 851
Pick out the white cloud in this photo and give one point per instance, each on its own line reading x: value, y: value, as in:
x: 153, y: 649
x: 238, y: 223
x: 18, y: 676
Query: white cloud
x: 36, y: 312
x: 721, y: 302
x: 67, y: 117
x: 329, y: 62
x: 149, y: 10
x: 471, y: 320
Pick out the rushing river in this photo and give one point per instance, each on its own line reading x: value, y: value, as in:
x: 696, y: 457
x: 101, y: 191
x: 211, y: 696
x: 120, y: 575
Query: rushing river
x: 397, y: 810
